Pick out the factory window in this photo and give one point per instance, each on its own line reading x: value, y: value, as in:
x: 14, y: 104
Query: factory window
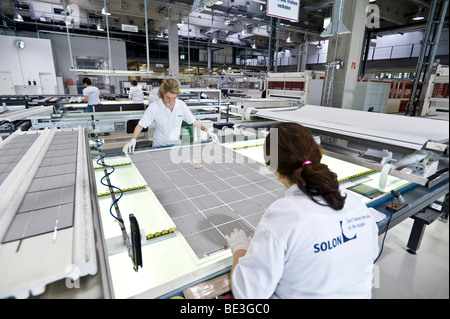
x: 58, y: 11
x: 408, y: 88
x: 294, y: 86
x: 407, y: 91
x: 440, y: 90
x: 93, y: 63
x: 276, y: 85
x: 398, y: 93
x: 24, y: 6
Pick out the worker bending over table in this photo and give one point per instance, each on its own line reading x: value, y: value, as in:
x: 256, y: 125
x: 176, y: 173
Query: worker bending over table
x: 318, y: 241
x: 167, y: 113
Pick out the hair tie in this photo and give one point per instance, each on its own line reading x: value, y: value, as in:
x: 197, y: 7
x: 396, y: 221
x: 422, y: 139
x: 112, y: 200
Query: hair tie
x: 306, y: 163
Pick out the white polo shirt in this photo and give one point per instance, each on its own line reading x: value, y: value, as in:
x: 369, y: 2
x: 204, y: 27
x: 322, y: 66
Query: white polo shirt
x: 304, y: 250
x: 92, y: 93
x: 136, y: 94
x: 167, y: 123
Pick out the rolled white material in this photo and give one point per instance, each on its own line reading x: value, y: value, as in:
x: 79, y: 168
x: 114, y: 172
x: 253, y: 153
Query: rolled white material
x: 383, y: 177
x: 84, y: 242
x: 248, y: 112
x: 408, y: 132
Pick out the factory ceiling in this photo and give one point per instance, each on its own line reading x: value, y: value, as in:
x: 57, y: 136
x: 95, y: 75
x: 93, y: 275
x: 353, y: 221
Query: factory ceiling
x: 205, y: 20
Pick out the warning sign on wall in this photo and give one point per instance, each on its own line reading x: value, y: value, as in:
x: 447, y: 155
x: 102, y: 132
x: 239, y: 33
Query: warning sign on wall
x: 285, y: 9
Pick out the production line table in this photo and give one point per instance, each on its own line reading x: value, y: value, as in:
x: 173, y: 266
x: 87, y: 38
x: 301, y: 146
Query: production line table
x: 201, y: 202
x: 184, y: 201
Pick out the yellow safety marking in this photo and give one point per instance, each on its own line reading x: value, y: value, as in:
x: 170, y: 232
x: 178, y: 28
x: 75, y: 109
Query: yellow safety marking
x: 159, y: 234
x: 113, y: 165
x: 356, y: 175
x: 129, y: 189
x: 247, y: 146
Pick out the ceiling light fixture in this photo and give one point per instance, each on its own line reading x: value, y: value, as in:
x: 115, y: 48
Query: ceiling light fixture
x: 319, y: 45
x: 288, y: 40
x: 18, y: 17
x: 214, y: 40
x: 419, y: 15
x: 244, y: 31
x: 326, y: 22
x: 105, y: 12
x: 111, y: 72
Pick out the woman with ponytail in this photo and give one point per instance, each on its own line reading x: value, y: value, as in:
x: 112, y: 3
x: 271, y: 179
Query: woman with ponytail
x: 319, y: 241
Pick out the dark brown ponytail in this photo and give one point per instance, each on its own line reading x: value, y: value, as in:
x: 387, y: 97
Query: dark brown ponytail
x: 299, y: 160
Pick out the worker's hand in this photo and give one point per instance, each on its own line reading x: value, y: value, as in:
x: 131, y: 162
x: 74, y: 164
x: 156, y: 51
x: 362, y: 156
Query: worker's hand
x: 129, y: 147
x: 238, y: 240
x: 212, y: 135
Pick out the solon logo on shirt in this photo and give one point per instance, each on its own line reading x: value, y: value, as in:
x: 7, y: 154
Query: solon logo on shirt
x: 333, y: 242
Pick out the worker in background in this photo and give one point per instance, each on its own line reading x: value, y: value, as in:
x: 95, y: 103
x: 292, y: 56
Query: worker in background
x: 136, y: 95
x: 167, y: 113
x: 91, y: 94
x: 319, y: 241
x: 204, y: 95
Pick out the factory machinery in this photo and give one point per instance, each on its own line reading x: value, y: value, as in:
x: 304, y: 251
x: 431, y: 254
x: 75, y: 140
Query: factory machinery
x: 437, y: 96
x: 151, y: 224
x: 436, y: 99
x: 16, y: 109
x: 122, y: 115
x: 118, y: 115
x: 113, y: 115
x: 282, y: 90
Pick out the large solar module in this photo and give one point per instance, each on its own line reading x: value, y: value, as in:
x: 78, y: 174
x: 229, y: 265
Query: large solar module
x: 46, y: 212
x: 49, y: 202
x: 13, y: 153
x: 208, y: 190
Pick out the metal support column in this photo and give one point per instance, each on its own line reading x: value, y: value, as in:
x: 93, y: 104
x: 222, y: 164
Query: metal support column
x: 277, y: 43
x: 432, y: 55
x: 302, y: 54
x: 68, y: 36
x: 429, y: 45
x: 271, y: 43
x: 107, y: 35
x: 146, y: 36
x: 365, y: 53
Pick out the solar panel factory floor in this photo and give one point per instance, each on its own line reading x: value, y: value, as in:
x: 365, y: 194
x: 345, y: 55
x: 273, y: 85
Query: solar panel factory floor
x: 208, y: 192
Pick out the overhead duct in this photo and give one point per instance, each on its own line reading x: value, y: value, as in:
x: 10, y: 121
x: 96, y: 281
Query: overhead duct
x: 200, y: 5
x: 336, y: 25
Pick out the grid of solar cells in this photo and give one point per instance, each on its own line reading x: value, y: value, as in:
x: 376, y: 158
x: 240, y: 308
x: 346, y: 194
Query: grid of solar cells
x: 208, y: 202
x: 13, y: 152
x: 50, y: 200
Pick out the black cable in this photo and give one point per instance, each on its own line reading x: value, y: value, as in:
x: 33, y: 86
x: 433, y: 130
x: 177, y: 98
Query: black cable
x: 387, y: 227
x: 101, y: 162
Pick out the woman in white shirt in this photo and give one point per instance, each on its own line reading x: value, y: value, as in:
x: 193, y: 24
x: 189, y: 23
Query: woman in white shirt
x: 318, y: 241
x: 136, y: 95
x: 167, y: 113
